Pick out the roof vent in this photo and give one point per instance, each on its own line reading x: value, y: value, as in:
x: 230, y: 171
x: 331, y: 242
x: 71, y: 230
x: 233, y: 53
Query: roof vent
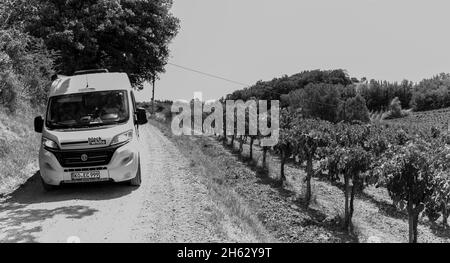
x: 90, y: 71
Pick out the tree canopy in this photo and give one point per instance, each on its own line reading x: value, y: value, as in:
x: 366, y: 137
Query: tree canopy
x: 25, y: 69
x: 130, y: 36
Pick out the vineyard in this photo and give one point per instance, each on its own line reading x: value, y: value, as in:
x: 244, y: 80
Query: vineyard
x: 435, y: 118
x: 407, y: 158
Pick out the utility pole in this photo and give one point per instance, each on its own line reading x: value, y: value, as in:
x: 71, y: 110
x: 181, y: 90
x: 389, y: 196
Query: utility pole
x: 153, y: 94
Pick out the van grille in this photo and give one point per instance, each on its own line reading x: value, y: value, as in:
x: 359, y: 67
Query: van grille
x: 74, y: 158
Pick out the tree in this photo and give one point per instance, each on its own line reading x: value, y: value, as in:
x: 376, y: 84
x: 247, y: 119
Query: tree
x: 354, y: 109
x: 251, y: 142
x: 347, y: 155
x: 440, y: 199
x: 378, y: 94
x: 309, y: 135
x: 248, y: 125
x: 406, y: 173
x: 395, y: 109
x: 265, y: 117
x: 26, y: 66
x: 285, y: 141
x: 273, y: 89
x: 320, y: 101
x: 14, y: 13
x: 131, y: 36
x: 433, y: 93
x: 353, y: 162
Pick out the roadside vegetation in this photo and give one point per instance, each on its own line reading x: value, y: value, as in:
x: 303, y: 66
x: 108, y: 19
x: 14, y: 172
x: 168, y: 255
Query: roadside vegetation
x: 26, y: 66
x: 19, y: 147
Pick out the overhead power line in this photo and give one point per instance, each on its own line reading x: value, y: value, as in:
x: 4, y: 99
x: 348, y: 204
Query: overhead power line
x: 241, y: 83
x: 208, y: 74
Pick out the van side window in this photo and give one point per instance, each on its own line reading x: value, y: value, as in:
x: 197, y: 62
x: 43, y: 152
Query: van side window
x: 134, y: 101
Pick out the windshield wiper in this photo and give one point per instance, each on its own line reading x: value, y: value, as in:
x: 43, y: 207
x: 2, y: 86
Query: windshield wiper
x: 96, y: 124
x: 58, y: 126
x: 77, y: 126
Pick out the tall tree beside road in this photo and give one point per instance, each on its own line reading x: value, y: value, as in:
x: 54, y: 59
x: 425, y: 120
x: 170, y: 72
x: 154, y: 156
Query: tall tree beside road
x: 122, y: 35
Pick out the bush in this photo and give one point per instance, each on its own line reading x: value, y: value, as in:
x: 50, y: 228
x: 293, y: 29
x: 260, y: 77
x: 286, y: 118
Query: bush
x: 354, y: 109
x: 9, y: 87
x: 26, y: 67
x: 19, y: 147
x: 275, y: 88
x: 432, y: 93
x: 378, y: 94
x: 395, y: 110
x: 317, y: 101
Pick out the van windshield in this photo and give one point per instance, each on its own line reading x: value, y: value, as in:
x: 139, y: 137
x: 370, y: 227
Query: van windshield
x: 87, y: 109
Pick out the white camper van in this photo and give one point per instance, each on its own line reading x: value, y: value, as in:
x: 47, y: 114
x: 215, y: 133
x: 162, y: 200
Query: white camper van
x: 90, y: 131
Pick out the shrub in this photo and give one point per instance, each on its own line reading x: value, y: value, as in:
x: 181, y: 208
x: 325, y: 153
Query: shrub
x: 432, y: 93
x: 395, y: 110
x: 354, y: 109
x: 318, y: 101
x: 9, y: 87
x: 25, y: 66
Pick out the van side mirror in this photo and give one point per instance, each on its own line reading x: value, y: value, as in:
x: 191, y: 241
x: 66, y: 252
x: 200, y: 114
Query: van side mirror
x: 38, y: 124
x: 141, y: 115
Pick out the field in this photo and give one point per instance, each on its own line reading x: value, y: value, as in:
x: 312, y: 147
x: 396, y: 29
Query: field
x: 426, y: 119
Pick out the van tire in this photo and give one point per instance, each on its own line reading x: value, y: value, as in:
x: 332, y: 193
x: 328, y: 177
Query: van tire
x: 48, y: 187
x: 136, y: 181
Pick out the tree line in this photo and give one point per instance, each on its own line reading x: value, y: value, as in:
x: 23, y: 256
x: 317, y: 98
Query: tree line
x: 39, y: 38
x: 331, y: 89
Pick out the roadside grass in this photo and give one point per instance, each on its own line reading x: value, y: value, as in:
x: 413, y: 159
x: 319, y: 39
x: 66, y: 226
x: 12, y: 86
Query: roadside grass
x: 19, y: 146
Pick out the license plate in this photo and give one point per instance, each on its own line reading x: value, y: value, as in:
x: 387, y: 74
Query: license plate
x: 91, y: 175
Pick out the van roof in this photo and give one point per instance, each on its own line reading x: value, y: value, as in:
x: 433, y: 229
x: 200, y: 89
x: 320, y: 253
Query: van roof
x: 89, y: 83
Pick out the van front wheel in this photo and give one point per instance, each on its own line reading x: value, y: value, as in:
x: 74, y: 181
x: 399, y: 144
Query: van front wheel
x: 136, y: 181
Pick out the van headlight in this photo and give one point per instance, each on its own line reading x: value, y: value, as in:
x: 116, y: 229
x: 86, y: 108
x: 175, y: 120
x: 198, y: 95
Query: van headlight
x: 49, y: 143
x: 122, y: 138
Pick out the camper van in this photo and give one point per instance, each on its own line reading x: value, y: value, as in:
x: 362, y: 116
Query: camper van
x: 90, y: 131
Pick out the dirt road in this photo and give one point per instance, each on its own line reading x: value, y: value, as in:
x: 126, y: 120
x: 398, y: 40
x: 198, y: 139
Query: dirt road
x: 172, y: 205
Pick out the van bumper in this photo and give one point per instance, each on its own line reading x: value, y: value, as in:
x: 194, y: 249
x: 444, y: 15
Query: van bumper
x: 123, y: 166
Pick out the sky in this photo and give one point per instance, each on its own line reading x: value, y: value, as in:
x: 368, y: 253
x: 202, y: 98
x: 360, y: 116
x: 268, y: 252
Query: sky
x: 250, y: 40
